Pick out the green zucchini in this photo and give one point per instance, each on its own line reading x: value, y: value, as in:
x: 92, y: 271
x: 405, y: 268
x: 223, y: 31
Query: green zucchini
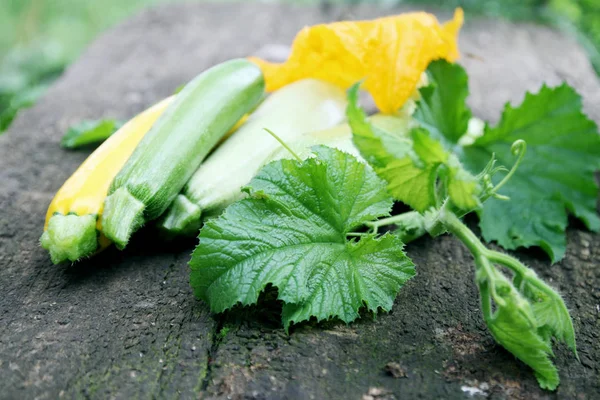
x: 300, y: 107
x: 203, y: 112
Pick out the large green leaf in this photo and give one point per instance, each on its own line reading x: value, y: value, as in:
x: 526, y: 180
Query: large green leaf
x: 292, y: 233
x: 556, y: 175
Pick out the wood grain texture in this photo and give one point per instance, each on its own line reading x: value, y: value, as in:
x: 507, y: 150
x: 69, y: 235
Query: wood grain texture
x: 125, y: 324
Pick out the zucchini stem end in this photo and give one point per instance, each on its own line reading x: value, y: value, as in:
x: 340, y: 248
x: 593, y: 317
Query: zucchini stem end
x: 182, y: 218
x: 70, y: 237
x: 123, y: 215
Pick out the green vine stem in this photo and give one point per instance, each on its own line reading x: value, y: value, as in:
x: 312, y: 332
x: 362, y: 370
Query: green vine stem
x: 488, y: 275
x: 284, y: 144
x: 410, y: 225
x: 518, y: 149
x: 478, y: 249
x: 480, y: 253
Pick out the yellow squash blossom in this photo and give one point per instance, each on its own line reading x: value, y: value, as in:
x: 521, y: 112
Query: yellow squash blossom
x: 389, y: 53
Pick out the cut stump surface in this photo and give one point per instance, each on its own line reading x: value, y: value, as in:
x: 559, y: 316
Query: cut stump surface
x: 126, y: 325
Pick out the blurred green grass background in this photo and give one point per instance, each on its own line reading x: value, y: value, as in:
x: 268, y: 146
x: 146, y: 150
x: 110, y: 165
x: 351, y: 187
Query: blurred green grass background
x: 39, y: 38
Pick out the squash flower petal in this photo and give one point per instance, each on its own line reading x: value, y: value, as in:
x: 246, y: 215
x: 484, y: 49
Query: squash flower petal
x: 388, y: 53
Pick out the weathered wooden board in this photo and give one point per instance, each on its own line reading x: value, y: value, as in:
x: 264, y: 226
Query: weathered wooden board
x: 126, y: 325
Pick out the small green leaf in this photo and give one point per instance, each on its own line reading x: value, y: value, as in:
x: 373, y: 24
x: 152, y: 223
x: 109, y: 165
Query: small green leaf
x: 391, y: 157
x: 410, y: 162
x: 89, y: 132
x: 378, y: 146
x: 410, y: 184
x: 512, y: 327
x: 442, y: 108
x: 463, y: 188
x: 428, y: 150
x: 549, y: 309
x: 23, y: 99
x: 293, y: 235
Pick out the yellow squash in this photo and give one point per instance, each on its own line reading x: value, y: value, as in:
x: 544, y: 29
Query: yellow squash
x: 72, y: 228
x: 389, y: 53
